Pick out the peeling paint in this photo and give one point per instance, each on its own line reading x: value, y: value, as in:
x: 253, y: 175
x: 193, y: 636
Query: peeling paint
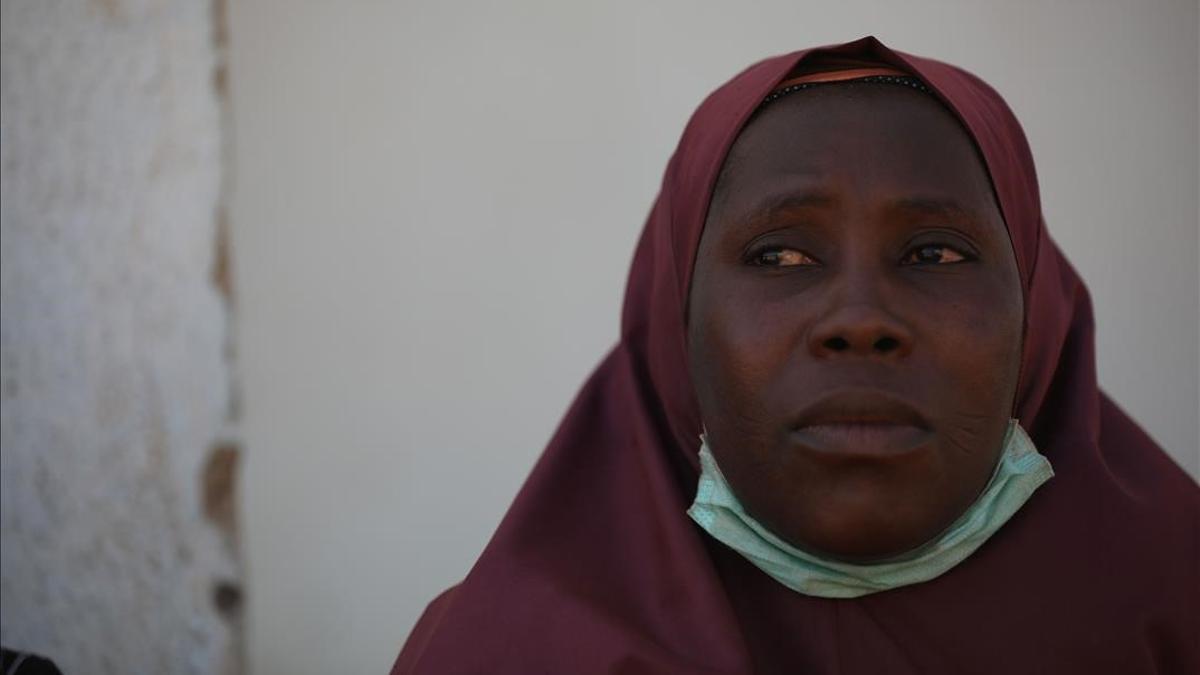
x: 220, y: 477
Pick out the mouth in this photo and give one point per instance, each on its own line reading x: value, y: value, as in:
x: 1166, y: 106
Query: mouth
x: 861, y: 423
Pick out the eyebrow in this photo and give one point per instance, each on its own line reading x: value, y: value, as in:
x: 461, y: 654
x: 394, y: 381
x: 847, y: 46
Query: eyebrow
x: 936, y: 206
x: 772, y: 206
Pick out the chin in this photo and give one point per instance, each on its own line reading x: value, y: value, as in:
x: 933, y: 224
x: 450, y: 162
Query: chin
x: 861, y: 538
x: 863, y: 552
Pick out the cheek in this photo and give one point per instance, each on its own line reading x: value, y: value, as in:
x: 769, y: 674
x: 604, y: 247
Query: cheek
x: 975, y: 339
x: 982, y: 335
x: 745, y: 342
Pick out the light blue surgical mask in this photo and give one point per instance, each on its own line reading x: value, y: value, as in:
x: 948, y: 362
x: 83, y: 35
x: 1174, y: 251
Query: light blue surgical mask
x: 1019, y: 471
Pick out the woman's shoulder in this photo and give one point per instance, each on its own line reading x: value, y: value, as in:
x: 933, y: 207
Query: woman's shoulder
x: 1142, y: 466
x: 424, y: 629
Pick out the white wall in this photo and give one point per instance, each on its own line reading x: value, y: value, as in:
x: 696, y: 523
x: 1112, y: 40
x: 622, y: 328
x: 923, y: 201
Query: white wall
x: 114, y: 509
x: 435, y: 208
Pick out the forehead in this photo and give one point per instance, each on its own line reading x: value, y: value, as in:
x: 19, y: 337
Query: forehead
x: 863, y: 140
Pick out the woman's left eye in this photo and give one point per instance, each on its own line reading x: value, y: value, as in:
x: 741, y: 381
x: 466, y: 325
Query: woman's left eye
x: 933, y: 254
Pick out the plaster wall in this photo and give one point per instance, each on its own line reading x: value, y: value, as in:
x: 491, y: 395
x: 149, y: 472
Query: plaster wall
x: 116, y: 514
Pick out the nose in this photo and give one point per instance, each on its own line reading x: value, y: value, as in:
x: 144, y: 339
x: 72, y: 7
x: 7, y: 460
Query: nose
x: 862, y: 328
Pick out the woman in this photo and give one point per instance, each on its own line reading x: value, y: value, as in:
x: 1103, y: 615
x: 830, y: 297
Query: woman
x: 852, y: 424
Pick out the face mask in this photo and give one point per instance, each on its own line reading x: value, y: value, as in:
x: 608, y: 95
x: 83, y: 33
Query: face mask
x: 1019, y: 471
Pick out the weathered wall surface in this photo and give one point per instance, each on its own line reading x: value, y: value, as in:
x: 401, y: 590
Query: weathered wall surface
x: 118, y: 542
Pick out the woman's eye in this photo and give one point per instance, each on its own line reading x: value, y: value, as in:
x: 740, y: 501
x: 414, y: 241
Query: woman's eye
x: 781, y: 257
x: 933, y: 254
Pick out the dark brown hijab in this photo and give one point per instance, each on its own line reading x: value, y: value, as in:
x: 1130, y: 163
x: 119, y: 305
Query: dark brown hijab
x: 597, y: 569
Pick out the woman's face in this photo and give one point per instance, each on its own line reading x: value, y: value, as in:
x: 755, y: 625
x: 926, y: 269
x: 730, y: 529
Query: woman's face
x: 854, y: 321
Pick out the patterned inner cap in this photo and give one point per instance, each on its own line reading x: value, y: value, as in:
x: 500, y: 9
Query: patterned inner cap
x: 882, y: 75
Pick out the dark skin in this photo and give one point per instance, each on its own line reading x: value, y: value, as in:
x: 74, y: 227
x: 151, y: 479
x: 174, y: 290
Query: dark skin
x: 855, y: 320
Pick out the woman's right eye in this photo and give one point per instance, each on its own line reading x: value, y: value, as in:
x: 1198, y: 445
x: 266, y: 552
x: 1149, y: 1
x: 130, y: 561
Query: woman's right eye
x: 780, y: 256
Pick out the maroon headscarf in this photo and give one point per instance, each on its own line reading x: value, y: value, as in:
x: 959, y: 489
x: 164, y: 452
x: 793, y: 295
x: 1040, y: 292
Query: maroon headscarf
x: 596, y: 568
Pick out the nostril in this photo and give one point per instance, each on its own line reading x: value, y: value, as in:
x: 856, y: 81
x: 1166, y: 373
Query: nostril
x: 837, y: 344
x: 886, y: 344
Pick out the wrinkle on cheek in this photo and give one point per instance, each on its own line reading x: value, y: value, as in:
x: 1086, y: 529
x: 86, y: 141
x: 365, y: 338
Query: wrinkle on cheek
x: 966, y: 430
x: 731, y: 386
x: 975, y: 347
x: 736, y: 385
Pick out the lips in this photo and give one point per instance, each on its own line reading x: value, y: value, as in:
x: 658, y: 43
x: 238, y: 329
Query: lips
x: 863, y: 423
